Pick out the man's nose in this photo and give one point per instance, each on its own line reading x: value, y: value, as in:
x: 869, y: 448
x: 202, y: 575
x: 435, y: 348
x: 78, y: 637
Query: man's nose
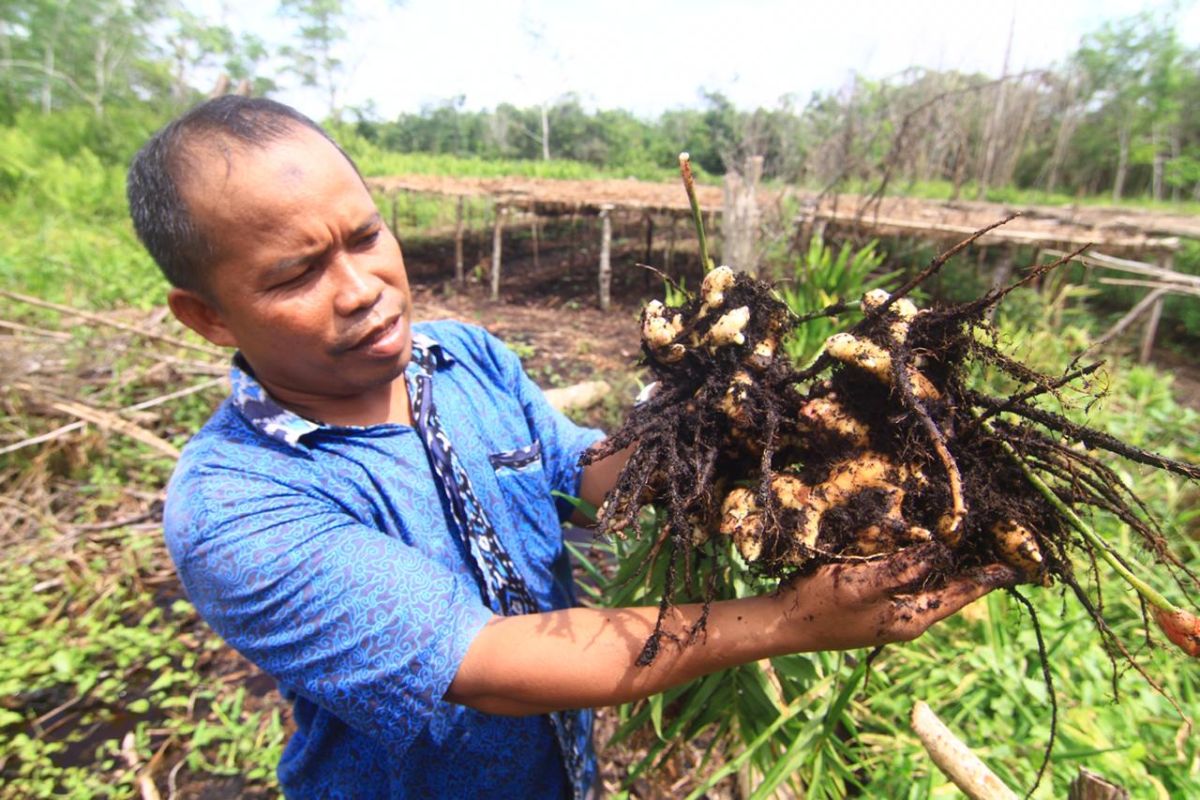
x: 358, y: 289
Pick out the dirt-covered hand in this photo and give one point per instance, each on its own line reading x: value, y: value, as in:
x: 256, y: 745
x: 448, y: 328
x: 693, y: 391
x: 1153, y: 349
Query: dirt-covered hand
x: 845, y: 606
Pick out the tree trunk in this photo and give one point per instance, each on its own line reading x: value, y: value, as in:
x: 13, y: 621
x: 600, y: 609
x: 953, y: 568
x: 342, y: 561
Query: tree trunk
x: 1066, y: 127
x: 1090, y: 786
x: 1157, y: 175
x: 1175, y: 150
x: 993, y: 128
x: 1123, y: 134
x: 960, y: 171
x: 545, y: 133
x: 47, y: 80
x: 1018, y: 145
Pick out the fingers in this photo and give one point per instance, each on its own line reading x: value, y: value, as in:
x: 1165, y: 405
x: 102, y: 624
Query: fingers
x: 906, y: 569
x: 914, y: 614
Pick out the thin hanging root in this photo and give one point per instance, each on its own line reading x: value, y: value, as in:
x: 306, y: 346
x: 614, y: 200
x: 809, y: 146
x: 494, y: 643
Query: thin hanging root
x: 1048, y: 677
x: 938, y: 263
x: 1089, y: 438
x: 1115, y: 643
x: 1039, y: 389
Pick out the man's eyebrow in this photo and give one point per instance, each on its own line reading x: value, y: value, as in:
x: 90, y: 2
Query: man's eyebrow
x: 374, y: 220
x: 285, y: 264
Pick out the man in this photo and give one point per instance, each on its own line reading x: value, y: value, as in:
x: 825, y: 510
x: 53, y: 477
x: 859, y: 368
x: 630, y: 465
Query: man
x: 369, y: 516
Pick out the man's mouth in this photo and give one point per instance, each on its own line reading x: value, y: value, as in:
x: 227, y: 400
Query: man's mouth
x: 385, y: 339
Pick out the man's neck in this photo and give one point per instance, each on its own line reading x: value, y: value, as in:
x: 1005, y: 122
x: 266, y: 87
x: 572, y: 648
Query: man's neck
x: 385, y: 404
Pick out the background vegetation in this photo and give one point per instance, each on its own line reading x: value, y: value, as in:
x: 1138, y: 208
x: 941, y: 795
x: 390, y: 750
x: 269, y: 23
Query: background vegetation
x: 93, y: 628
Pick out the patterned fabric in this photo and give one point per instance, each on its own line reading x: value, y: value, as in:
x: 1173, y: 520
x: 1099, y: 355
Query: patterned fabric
x: 503, y: 587
x: 329, y: 557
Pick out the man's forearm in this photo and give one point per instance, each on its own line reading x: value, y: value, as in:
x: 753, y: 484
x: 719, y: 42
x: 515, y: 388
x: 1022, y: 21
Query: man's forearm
x: 584, y: 657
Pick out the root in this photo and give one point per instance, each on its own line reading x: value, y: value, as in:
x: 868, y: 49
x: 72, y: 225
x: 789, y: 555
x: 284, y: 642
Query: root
x: 1048, y: 678
x: 866, y: 451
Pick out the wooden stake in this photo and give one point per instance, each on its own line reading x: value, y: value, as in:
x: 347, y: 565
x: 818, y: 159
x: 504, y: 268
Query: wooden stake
x: 649, y: 245
x: 669, y: 261
x: 605, y: 260
x: 459, y: 225
x: 497, y: 237
x: 955, y: 759
x: 534, y: 228
x: 1090, y: 786
x: 573, y: 246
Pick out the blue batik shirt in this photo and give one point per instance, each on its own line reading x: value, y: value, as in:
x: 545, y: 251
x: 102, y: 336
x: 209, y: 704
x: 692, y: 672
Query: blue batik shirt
x: 325, y: 555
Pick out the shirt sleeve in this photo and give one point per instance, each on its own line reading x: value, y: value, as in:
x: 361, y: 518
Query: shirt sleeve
x: 356, y: 621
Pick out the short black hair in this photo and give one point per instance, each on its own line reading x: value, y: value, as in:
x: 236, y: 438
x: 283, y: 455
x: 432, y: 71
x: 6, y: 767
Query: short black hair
x: 163, y: 222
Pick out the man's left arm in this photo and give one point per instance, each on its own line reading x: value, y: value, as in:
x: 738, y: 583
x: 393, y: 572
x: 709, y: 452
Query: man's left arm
x: 599, y: 477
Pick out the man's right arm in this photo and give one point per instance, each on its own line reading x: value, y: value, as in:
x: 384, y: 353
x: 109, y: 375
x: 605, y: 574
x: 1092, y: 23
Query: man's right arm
x: 584, y: 657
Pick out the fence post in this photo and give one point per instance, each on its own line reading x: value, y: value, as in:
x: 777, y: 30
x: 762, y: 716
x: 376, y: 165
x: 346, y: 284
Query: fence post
x: 497, y: 236
x: 605, y: 256
x: 459, y: 276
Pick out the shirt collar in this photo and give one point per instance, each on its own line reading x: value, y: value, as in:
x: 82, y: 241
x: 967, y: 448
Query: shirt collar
x: 268, y: 417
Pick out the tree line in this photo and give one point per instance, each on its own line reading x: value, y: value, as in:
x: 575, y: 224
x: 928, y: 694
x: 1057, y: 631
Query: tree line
x: 1118, y: 115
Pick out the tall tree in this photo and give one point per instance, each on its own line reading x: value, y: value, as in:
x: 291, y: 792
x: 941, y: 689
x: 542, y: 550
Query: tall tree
x: 321, y: 32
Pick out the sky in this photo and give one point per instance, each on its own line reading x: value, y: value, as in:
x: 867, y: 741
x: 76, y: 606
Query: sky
x: 648, y: 56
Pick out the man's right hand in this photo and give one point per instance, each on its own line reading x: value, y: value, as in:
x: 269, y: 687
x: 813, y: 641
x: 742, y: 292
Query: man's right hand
x: 844, y: 606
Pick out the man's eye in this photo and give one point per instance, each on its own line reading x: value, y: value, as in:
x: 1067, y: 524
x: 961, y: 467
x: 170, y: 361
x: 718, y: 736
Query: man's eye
x: 297, y: 279
x: 369, y: 239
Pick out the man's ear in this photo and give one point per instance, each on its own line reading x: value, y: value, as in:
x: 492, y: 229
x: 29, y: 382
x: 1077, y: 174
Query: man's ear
x: 199, y: 314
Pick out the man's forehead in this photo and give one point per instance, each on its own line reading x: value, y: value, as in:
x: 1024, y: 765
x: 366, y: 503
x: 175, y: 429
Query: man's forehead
x: 219, y: 159
x: 224, y: 182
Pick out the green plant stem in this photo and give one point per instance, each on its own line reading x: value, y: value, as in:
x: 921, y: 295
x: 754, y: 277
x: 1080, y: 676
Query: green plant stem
x: 689, y: 183
x: 1148, y: 592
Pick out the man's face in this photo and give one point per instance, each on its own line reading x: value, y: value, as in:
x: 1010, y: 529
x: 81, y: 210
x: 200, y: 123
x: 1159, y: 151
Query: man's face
x: 308, y: 283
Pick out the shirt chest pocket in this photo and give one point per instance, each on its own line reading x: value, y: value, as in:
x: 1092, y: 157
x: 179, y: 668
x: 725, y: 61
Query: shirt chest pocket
x: 523, y: 483
x: 523, y: 459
